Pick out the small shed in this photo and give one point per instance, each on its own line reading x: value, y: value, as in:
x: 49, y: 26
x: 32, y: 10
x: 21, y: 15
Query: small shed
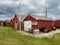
x: 29, y: 23
x: 13, y: 22
x: 9, y: 23
x: 16, y: 22
x: 37, y: 22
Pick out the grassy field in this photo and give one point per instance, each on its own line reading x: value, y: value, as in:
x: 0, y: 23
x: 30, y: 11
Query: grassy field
x: 9, y: 36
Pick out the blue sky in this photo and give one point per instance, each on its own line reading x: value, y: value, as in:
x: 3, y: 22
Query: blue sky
x: 10, y: 7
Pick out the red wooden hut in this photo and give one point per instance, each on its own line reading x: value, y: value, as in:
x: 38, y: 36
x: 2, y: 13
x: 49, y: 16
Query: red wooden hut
x: 39, y: 22
x: 9, y: 23
x: 16, y: 22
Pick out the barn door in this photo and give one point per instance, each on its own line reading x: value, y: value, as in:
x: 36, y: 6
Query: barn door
x: 27, y: 25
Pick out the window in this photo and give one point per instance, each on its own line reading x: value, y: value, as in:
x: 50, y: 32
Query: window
x: 16, y: 23
x: 34, y: 23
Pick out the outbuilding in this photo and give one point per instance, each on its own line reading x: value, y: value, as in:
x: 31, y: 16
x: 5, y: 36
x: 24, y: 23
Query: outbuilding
x: 57, y: 23
x: 38, y: 22
x: 16, y: 22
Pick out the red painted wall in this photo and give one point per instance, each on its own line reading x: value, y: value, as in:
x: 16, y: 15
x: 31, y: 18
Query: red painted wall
x: 9, y: 24
x: 45, y: 24
x: 57, y: 23
x: 34, y: 26
x: 30, y: 18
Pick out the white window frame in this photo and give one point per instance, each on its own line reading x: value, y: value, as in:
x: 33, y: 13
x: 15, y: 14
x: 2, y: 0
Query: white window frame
x: 34, y: 23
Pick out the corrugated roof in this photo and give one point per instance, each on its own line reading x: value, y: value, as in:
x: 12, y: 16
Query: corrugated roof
x: 41, y: 17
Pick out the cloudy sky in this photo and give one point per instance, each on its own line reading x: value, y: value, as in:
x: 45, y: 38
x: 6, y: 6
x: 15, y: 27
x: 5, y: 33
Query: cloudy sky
x: 10, y: 7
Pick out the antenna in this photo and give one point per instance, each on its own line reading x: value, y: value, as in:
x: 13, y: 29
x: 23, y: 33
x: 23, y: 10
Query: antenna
x: 28, y: 11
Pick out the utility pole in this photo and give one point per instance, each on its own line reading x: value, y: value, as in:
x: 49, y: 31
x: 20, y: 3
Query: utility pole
x: 20, y: 16
x: 46, y: 8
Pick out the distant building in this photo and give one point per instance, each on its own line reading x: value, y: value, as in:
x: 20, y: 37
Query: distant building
x: 14, y: 22
x: 2, y: 23
x: 56, y: 23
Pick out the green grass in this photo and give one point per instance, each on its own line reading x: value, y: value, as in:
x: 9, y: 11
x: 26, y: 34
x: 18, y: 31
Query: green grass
x: 9, y: 36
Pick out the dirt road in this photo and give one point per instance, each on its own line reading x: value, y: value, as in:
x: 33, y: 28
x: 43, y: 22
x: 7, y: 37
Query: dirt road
x: 48, y: 35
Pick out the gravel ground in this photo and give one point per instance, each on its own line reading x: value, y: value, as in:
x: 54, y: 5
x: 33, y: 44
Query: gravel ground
x: 48, y: 35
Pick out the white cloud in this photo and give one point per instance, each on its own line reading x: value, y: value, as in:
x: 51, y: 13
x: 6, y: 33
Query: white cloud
x: 2, y: 16
x: 9, y: 3
x: 25, y: 2
x: 43, y: 2
x: 34, y: 6
x: 59, y: 6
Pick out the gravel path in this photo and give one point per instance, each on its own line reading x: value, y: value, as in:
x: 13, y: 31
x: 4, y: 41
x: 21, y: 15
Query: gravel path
x: 48, y: 35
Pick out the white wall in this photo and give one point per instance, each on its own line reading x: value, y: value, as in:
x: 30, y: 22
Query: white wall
x: 27, y: 25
